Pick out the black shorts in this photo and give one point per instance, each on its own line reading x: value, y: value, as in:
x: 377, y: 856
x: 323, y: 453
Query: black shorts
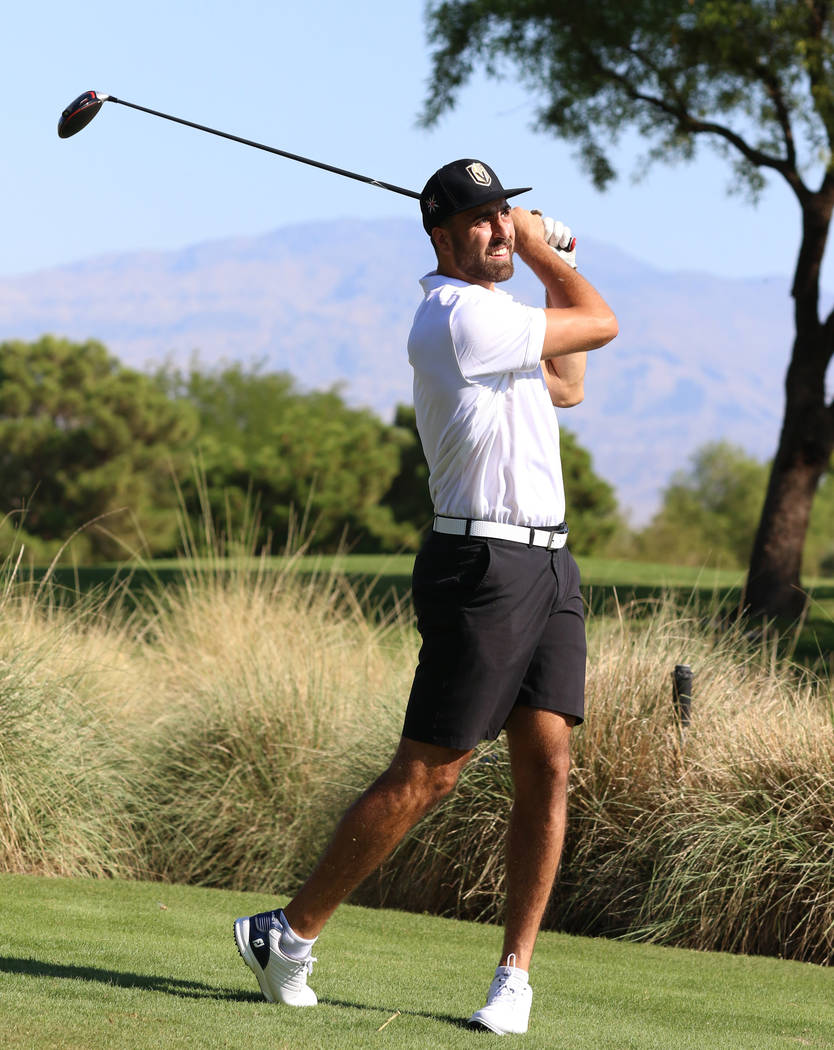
x: 502, y: 624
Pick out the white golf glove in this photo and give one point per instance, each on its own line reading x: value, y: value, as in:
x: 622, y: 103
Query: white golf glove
x: 560, y: 239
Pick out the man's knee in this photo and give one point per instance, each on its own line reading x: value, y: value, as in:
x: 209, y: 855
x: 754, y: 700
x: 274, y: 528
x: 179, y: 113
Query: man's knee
x: 541, y: 769
x: 547, y: 774
x: 446, y: 779
x: 436, y: 785
x: 433, y: 783
x: 423, y: 773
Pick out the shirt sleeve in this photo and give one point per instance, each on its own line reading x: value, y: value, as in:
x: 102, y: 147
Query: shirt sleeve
x: 493, y: 334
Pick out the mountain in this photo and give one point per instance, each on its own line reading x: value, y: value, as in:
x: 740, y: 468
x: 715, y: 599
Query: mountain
x: 699, y: 358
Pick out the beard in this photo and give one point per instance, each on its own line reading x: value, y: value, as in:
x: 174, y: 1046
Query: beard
x: 479, y: 266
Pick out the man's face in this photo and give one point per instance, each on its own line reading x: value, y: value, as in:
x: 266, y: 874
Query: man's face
x: 482, y: 242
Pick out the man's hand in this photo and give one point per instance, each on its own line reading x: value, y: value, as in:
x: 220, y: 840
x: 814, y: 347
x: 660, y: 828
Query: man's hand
x: 577, y: 317
x: 528, y: 227
x: 560, y: 238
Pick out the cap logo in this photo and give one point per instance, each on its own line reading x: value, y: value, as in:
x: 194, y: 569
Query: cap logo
x: 431, y: 205
x: 479, y: 174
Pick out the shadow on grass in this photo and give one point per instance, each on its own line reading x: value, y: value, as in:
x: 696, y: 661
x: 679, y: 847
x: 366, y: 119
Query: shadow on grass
x: 149, y: 982
x: 182, y: 989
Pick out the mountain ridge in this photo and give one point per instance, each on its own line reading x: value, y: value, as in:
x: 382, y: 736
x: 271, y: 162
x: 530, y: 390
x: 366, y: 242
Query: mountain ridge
x: 699, y: 357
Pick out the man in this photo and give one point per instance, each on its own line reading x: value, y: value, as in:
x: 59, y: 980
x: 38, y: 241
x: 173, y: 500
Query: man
x: 495, y: 588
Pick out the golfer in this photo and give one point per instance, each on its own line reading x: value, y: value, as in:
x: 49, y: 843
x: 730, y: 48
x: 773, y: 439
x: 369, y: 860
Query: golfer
x: 495, y: 588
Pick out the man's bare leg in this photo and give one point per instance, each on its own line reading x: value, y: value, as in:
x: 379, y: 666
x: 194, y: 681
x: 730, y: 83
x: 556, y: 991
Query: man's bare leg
x: 419, y: 776
x: 539, y: 744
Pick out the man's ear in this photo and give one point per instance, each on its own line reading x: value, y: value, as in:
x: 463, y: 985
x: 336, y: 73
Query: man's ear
x: 440, y: 239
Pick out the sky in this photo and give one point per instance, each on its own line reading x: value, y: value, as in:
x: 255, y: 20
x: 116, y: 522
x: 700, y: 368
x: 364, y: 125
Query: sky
x: 341, y: 83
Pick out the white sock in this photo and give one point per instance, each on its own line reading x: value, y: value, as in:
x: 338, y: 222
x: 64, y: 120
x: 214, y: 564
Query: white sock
x: 291, y: 944
x: 510, y: 964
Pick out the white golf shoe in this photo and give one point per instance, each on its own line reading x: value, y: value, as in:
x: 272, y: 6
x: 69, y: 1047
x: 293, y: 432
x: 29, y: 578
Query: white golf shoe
x: 282, y: 978
x: 507, y: 1010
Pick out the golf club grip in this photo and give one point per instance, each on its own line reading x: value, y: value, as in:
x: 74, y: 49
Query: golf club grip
x: 269, y: 149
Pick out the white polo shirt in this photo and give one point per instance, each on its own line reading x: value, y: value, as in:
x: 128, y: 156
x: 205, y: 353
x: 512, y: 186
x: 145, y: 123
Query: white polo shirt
x: 484, y: 414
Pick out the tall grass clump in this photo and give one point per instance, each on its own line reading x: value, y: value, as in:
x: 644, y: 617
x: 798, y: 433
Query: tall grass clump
x: 64, y: 783
x: 278, y: 698
x: 213, y: 732
x: 209, y: 732
x: 719, y: 838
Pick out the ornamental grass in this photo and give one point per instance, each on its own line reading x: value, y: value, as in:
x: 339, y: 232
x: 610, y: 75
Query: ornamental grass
x: 212, y: 733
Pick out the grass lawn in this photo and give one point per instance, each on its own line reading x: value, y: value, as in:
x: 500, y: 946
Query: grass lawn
x: 102, y: 964
x: 600, y: 572
x: 380, y: 579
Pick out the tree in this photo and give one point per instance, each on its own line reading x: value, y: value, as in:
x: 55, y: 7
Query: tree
x: 292, y: 455
x: 408, y: 496
x: 709, y: 511
x: 592, y: 512
x: 818, y: 558
x: 753, y: 77
x: 84, y: 442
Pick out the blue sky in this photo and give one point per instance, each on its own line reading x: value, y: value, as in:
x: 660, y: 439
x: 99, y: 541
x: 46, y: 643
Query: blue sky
x: 342, y: 83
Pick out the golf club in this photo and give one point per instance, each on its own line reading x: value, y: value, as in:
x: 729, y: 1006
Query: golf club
x: 81, y: 111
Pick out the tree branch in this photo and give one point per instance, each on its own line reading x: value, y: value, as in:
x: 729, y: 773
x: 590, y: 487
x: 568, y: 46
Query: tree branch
x: 817, y: 19
x: 785, y: 166
x: 774, y: 90
x: 676, y: 107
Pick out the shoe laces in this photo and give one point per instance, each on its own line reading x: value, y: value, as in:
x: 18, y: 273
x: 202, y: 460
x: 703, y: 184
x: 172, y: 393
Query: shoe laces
x: 296, y: 971
x: 506, y: 984
x: 296, y: 966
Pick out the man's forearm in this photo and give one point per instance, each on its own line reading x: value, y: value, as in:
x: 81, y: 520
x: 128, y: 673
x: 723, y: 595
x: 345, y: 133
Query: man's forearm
x: 579, y: 318
x: 570, y: 369
x: 564, y: 286
x: 565, y: 378
x: 556, y: 302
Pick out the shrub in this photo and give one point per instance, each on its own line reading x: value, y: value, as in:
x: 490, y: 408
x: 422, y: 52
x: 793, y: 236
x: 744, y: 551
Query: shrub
x: 270, y: 684
x: 216, y: 733
x: 64, y: 786
x: 719, y: 840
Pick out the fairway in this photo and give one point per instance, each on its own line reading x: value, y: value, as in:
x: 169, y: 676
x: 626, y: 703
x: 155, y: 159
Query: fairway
x: 102, y: 964
x: 383, y: 581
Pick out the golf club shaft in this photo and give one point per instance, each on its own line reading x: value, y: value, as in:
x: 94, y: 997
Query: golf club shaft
x: 267, y: 149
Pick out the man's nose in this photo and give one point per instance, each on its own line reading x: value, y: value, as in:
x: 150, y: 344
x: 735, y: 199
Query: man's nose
x: 502, y: 226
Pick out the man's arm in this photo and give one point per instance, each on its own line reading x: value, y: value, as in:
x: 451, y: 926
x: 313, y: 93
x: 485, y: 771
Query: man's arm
x: 565, y: 379
x: 564, y: 376
x: 578, y: 319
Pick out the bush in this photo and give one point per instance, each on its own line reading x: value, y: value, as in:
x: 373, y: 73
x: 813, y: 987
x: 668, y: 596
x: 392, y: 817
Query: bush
x: 270, y: 684
x: 89, y: 448
x: 65, y: 789
x: 216, y: 734
x: 718, y: 841
x: 712, y: 841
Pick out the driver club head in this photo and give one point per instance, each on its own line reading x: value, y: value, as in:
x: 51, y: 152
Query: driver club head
x: 79, y: 113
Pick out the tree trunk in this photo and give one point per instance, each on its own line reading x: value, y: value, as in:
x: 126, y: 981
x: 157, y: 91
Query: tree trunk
x: 774, y: 587
x: 806, y: 442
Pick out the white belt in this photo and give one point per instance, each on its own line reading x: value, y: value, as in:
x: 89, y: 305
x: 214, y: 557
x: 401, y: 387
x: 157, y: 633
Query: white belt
x: 551, y: 538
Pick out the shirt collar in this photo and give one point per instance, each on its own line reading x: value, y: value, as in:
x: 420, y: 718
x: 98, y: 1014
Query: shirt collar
x: 433, y: 280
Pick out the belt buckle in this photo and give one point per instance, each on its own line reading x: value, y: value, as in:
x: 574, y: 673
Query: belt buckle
x: 553, y: 536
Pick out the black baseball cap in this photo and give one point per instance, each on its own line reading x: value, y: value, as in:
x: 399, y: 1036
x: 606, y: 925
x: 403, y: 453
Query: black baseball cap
x: 457, y: 186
